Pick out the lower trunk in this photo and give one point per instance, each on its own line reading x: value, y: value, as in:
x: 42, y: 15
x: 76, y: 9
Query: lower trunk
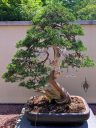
x: 56, y: 92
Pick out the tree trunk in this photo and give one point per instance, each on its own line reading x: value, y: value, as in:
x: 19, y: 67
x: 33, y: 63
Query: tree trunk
x: 56, y: 92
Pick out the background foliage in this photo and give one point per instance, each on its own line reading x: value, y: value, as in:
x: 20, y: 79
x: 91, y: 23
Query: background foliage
x: 18, y: 10
x: 13, y: 10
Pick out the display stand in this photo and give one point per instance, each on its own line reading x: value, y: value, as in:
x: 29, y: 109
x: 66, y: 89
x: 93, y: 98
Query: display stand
x: 24, y: 123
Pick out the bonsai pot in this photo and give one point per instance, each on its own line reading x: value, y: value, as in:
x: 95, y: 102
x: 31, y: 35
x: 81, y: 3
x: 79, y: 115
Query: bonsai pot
x: 59, y: 118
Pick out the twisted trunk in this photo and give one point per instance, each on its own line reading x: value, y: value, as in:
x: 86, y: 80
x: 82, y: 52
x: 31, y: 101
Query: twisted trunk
x: 55, y: 91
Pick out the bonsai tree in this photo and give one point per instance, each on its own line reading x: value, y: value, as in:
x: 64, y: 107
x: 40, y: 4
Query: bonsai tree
x: 34, y: 66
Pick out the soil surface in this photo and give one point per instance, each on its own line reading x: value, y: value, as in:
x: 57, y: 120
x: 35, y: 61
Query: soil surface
x: 41, y: 104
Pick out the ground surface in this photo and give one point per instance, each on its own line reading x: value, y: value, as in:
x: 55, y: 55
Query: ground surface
x: 9, y: 115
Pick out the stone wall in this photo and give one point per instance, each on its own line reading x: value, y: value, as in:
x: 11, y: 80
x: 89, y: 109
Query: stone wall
x: 73, y: 81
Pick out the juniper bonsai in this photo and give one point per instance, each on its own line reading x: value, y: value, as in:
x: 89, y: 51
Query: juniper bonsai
x: 53, y: 28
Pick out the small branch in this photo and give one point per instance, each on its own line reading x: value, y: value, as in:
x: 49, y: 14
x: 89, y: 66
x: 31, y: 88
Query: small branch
x: 45, y: 58
x: 40, y: 90
x: 57, y: 26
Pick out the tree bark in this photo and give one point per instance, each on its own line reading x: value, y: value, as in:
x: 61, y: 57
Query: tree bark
x: 60, y: 94
x: 55, y: 91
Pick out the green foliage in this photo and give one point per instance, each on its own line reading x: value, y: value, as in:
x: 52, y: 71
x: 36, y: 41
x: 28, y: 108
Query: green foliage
x: 73, y: 5
x: 72, y: 61
x: 16, y: 10
x: 82, y: 9
x: 78, y: 61
x: 53, y: 27
x: 8, y: 11
x: 88, y: 12
x: 29, y: 8
x: 88, y: 62
x: 49, y: 15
